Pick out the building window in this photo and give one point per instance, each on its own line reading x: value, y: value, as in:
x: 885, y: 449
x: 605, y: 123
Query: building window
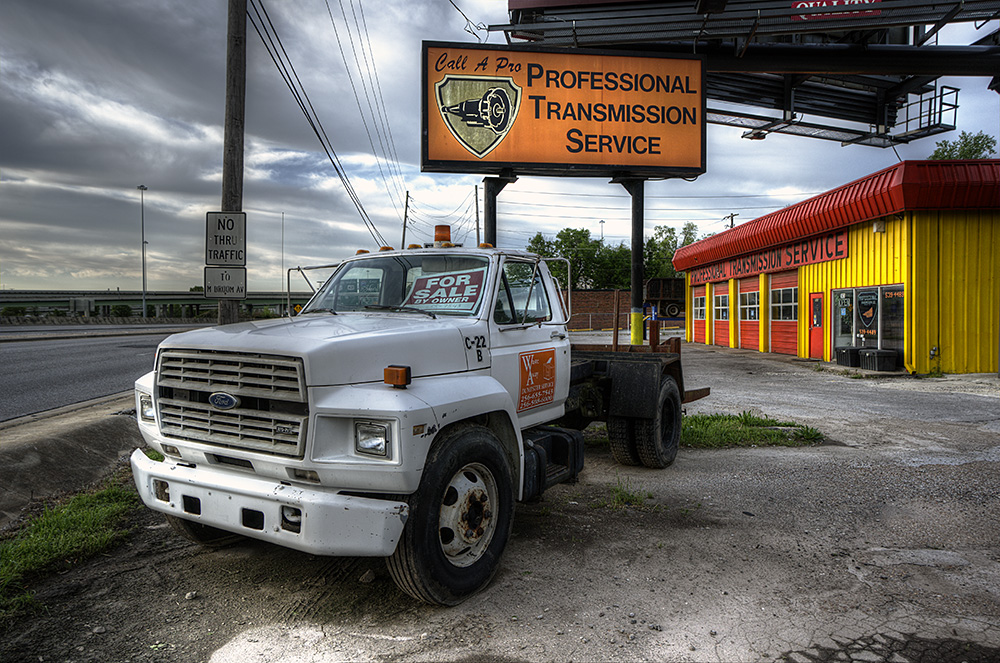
x: 698, y: 308
x: 749, y: 306
x: 721, y: 309
x: 785, y: 304
x: 869, y: 317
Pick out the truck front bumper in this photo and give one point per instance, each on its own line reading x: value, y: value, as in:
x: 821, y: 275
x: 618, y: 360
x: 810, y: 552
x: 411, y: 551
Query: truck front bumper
x: 313, y: 520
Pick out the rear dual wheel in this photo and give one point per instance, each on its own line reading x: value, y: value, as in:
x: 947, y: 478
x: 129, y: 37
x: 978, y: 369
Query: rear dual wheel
x: 652, y: 442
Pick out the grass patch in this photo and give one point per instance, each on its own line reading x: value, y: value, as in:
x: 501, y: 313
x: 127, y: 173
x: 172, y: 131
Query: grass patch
x: 624, y: 495
x: 710, y: 431
x: 61, y: 536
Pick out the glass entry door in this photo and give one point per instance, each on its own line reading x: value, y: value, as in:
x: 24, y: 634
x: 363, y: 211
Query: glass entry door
x: 843, y: 319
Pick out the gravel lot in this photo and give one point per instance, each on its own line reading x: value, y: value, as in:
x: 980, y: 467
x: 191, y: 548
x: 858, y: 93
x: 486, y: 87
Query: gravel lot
x: 881, y: 545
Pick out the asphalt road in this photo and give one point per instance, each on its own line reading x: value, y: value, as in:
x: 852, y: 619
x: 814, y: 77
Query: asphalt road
x: 36, y: 376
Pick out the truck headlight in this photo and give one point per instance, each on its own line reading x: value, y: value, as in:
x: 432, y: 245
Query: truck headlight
x: 146, y: 411
x: 371, y: 439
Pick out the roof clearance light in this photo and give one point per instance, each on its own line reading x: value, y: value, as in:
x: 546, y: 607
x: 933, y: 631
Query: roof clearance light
x: 360, y: 252
x: 397, y: 376
x: 442, y: 236
x: 386, y: 248
x: 414, y: 246
x: 485, y: 245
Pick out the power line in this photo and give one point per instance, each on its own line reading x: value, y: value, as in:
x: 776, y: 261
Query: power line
x: 276, y: 50
x: 368, y: 97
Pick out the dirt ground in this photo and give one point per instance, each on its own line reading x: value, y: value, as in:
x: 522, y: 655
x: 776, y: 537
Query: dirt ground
x: 881, y: 545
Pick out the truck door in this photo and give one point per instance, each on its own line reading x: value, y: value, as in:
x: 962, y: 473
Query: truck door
x: 530, y: 358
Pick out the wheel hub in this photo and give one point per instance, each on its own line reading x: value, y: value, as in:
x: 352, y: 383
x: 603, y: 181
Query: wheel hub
x: 466, y: 523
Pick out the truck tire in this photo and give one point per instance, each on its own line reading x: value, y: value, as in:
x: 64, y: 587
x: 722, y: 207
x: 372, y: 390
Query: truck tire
x: 460, y: 519
x: 673, y: 310
x: 205, y: 535
x: 657, y: 439
x: 621, y: 439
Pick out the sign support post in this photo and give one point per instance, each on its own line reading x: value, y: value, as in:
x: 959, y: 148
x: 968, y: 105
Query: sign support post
x: 636, y: 188
x: 492, y: 186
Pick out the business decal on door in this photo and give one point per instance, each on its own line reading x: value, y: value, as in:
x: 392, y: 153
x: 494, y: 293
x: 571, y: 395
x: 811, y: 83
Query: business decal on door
x: 538, y: 378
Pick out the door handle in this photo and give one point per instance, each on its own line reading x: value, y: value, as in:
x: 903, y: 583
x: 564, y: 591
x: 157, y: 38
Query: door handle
x: 557, y: 334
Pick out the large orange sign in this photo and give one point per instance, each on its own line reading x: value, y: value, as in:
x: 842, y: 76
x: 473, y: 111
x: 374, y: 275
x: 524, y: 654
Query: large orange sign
x: 561, y: 112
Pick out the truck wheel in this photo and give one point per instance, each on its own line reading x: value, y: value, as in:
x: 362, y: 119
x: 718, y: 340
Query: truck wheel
x: 657, y: 439
x: 673, y: 310
x: 206, y: 535
x: 621, y: 438
x: 460, y: 519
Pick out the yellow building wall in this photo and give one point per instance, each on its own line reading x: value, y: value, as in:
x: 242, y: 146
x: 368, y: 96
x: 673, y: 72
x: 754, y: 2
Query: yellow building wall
x: 949, y: 265
x: 956, y: 284
x: 764, y: 326
x: 874, y: 258
x: 688, y: 303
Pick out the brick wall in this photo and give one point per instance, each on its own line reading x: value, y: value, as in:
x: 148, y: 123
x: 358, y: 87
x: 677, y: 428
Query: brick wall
x: 595, y: 309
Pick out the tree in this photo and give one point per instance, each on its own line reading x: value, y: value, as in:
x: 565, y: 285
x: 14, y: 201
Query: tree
x: 968, y: 146
x: 576, y: 246
x: 613, y: 267
x: 595, y: 265
x: 658, y: 251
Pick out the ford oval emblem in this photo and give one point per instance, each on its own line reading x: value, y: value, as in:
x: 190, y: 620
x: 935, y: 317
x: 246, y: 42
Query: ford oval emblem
x: 223, y: 401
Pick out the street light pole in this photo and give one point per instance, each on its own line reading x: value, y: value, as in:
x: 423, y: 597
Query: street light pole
x: 142, y: 225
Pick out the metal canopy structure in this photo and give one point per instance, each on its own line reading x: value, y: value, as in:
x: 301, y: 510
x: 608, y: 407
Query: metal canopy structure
x: 854, y: 71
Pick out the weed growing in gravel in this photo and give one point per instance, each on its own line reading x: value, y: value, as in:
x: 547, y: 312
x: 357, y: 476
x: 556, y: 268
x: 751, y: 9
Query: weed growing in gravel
x: 709, y: 431
x: 624, y: 495
x: 61, y: 536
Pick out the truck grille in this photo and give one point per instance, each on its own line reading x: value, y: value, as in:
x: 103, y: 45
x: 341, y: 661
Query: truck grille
x: 272, y: 411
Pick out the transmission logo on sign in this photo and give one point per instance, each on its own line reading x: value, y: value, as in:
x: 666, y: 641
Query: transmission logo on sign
x: 478, y: 110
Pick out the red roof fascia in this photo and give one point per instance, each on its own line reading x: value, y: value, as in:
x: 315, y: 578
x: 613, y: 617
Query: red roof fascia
x: 908, y: 185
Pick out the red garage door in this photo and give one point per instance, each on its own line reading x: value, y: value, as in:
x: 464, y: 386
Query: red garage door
x: 720, y: 314
x: 750, y: 313
x: 784, y: 299
x: 698, y: 312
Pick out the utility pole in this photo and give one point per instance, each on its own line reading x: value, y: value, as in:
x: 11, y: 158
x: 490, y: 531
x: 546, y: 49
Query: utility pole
x: 731, y: 218
x: 232, y: 150
x: 406, y: 213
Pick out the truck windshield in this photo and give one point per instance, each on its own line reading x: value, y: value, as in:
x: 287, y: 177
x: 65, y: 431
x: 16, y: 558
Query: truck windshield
x: 440, y: 284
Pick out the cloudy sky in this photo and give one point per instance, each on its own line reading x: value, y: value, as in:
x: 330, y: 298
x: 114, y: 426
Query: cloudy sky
x: 99, y: 96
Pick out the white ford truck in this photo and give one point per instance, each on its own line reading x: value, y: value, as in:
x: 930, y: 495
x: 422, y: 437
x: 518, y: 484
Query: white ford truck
x: 401, y: 414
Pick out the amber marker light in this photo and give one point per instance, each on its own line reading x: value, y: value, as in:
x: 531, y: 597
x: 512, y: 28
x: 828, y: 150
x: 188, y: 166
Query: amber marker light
x: 442, y: 236
x: 360, y: 252
x: 386, y: 248
x: 397, y: 376
x: 485, y: 245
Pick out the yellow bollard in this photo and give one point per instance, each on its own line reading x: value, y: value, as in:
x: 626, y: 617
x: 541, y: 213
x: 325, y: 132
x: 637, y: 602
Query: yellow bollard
x: 636, y: 324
